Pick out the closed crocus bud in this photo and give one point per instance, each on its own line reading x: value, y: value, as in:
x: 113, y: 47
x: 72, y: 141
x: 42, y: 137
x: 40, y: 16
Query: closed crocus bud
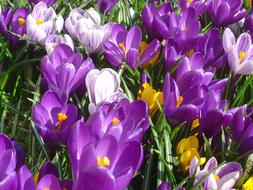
x: 53, y: 40
x: 42, y: 22
x: 89, y: 17
x: 102, y: 86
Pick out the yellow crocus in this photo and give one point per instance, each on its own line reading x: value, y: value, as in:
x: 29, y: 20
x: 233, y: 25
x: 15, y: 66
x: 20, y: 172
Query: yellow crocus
x: 151, y: 96
x: 248, y: 185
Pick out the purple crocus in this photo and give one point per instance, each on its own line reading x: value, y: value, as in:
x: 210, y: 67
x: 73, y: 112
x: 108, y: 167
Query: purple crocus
x: 53, y: 119
x: 217, y: 177
x: 248, y: 23
x: 106, y: 151
x: 48, y: 2
x: 239, y: 52
x: 8, y: 175
x: 53, y: 40
x: 226, y: 12
x: 64, y: 70
x: 150, y: 17
x: 42, y: 22
x: 106, y: 5
x: 124, y: 46
x: 5, y: 20
x: 242, y: 128
x: 103, y: 86
x: 185, y: 104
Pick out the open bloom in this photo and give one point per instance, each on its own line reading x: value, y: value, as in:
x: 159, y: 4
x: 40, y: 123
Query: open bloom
x: 54, y: 119
x: 125, y: 46
x: 5, y: 19
x: 221, y: 178
x: 239, y: 52
x: 102, y: 86
x: 64, y: 70
x: 109, y: 150
x: 42, y: 22
x: 226, y: 12
x: 106, y: 5
x: 53, y: 40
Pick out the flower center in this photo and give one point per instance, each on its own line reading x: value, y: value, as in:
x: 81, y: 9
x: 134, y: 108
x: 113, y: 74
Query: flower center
x: 104, y: 162
x: 46, y: 188
x: 242, y: 55
x: 122, y: 46
x: 61, y: 117
x: 189, y: 1
x: 179, y: 101
x: 217, y: 178
x: 36, y: 178
x: 39, y: 22
x: 115, y: 121
x: 190, y: 52
x: 21, y: 21
x: 186, y: 29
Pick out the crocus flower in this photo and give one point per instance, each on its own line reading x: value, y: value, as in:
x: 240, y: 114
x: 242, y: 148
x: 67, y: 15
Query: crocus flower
x: 8, y: 161
x: 242, y: 128
x: 48, y: 2
x: 53, y: 40
x: 200, y: 6
x: 106, y: 5
x: 102, y: 86
x: 239, y: 52
x: 151, y: 96
x: 187, y: 149
x: 221, y: 177
x: 109, y: 148
x: 18, y: 23
x: 42, y: 22
x: 178, y: 106
x: 150, y: 17
x: 89, y: 17
x: 54, y: 119
x: 64, y: 70
x: 5, y: 19
x: 226, y: 12
x: 124, y: 46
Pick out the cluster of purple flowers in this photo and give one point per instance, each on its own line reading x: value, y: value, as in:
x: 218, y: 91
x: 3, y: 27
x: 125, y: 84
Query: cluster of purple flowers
x: 106, y: 149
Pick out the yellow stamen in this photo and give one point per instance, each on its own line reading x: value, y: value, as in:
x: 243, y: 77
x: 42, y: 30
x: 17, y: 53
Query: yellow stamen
x: 104, y: 162
x: 190, y: 52
x: 38, y: 22
x: 189, y: 1
x: 61, y: 117
x: 21, y: 21
x: 217, y: 178
x: 242, y: 55
x: 195, y: 123
x: 143, y: 47
x: 46, y: 188
x: 179, y: 101
x: 36, y: 178
x: 115, y: 121
x: 122, y: 45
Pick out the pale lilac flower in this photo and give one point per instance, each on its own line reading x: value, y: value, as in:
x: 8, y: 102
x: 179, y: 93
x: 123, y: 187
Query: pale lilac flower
x: 217, y: 177
x: 89, y: 17
x: 42, y: 22
x: 102, y: 86
x: 53, y: 40
x: 239, y: 52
